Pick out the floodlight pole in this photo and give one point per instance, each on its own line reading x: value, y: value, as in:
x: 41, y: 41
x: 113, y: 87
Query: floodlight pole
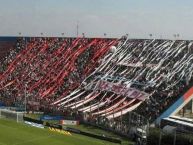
x: 77, y: 28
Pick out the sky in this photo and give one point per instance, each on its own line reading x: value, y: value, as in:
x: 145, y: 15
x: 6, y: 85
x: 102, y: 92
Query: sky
x: 138, y: 18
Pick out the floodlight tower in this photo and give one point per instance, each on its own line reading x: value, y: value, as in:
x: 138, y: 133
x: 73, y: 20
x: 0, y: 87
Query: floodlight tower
x: 77, y: 28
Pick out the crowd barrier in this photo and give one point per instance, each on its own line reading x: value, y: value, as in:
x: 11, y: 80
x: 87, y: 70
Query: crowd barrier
x: 106, y: 129
x: 114, y: 140
x: 59, y: 128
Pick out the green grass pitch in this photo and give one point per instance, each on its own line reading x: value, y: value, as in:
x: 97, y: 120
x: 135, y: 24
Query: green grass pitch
x: 12, y: 133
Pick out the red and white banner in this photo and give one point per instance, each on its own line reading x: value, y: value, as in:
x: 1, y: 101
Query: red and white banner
x: 121, y: 90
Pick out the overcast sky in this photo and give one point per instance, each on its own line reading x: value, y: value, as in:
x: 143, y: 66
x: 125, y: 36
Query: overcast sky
x: 138, y: 18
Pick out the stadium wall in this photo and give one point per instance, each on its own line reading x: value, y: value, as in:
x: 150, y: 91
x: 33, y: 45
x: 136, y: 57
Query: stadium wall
x: 77, y: 131
x: 178, y: 105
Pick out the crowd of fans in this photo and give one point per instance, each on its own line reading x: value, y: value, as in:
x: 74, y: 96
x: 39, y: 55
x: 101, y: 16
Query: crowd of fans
x: 48, y: 68
x: 65, y: 72
x: 160, y: 68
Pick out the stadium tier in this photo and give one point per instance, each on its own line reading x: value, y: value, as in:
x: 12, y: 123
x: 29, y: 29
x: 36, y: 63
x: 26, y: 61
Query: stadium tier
x: 102, y: 77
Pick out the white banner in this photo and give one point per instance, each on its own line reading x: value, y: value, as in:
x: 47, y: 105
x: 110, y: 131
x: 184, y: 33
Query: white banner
x: 121, y: 90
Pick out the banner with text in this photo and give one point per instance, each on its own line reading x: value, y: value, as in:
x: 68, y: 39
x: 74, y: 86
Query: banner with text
x: 121, y: 89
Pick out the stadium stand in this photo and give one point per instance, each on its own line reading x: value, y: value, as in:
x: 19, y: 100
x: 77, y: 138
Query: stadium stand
x: 50, y: 67
x: 142, y: 75
x: 106, y: 78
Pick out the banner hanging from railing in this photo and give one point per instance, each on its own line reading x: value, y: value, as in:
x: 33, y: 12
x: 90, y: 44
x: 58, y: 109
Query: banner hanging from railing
x: 121, y: 89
